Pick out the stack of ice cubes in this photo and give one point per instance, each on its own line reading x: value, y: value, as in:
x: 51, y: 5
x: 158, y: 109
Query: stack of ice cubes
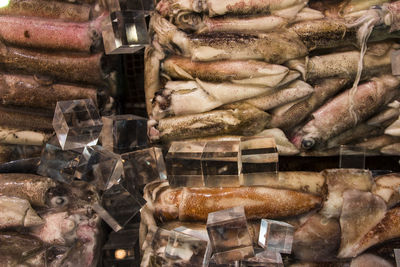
x: 74, y: 154
x: 246, y: 161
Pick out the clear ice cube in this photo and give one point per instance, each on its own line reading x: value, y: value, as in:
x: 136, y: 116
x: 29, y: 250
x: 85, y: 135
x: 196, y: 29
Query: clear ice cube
x: 125, y: 32
x: 58, y: 164
x: 185, y: 249
x: 259, y: 160
x: 276, y: 236
x: 184, y: 164
x: 352, y: 157
x: 220, y: 164
x: 77, y: 123
x: 124, y: 133
x: 143, y: 166
x: 100, y: 167
x: 229, y: 236
x: 397, y: 256
x: 201, y: 233
x: 266, y: 258
x: 156, y: 240
x: 121, y: 204
x: 122, y: 247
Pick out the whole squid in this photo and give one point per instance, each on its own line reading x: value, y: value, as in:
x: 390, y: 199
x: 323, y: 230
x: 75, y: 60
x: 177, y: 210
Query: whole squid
x: 345, y: 111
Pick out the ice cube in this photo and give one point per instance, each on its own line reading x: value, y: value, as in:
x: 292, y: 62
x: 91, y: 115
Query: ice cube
x: 100, y: 167
x: 143, y: 166
x: 156, y: 240
x: 276, y: 236
x: 185, y: 249
x: 122, y: 248
x: 397, y: 256
x: 125, y: 32
x: 229, y: 236
x: 184, y: 164
x: 352, y: 157
x: 58, y: 164
x: 121, y: 204
x: 220, y: 163
x: 266, y: 258
x: 77, y: 123
x: 124, y: 133
x: 259, y: 160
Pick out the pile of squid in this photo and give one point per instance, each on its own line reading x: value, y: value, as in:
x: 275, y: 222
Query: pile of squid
x: 49, y: 51
x: 313, y: 74
x: 340, y: 216
x: 45, y: 223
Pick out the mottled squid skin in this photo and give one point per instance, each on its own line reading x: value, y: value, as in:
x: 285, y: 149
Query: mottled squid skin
x: 50, y: 34
x: 194, y: 204
x: 48, y: 9
x: 152, y: 59
x: 67, y: 67
x: 323, y: 90
x: 21, y: 90
x: 31, y: 187
x: 386, y: 186
x: 336, y: 117
x: 233, y: 119
x: 26, y: 119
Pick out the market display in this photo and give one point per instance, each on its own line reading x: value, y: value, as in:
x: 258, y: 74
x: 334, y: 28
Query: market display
x: 314, y: 69
x: 50, y: 51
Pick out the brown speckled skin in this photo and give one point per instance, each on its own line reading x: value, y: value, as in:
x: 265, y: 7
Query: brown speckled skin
x: 47, y: 9
x: 69, y: 67
x: 20, y: 90
x: 194, y: 204
x: 26, y: 119
x: 28, y: 186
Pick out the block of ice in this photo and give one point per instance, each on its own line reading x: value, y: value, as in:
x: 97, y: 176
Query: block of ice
x: 276, y: 236
x: 77, y: 123
x: 267, y: 258
x: 185, y: 249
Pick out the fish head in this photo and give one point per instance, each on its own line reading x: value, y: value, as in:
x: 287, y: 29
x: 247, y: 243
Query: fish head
x: 304, y: 141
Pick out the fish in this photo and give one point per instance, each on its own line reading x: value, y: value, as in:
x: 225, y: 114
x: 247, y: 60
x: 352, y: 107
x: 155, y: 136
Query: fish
x: 51, y: 34
x: 377, y: 142
x: 323, y: 90
x: 361, y: 212
x: 339, y: 181
x: 292, y: 92
x: 387, y: 187
x: 48, y: 9
x: 283, y: 145
x: 369, y: 260
x: 259, y: 202
x: 17, y: 212
x: 62, y: 67
x: 274, y: 48
x: 178, y: 97
x: 345, y: 64
x: 393, y: 129
x: 25, y: 118
x: 230, y: 119
x: 317, y: 240
x: 348, y: 110
x: 393, y: 149
x: 33, y: 188
x: 238, y: 7
x: 33, y: 91
x: 240, y: 71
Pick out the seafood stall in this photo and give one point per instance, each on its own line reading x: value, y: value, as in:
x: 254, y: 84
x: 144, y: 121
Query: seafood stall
x: 268, y: 136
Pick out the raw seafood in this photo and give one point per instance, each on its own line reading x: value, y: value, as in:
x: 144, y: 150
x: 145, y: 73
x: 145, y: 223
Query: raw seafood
x: 152, y: 59
x: 25, y: 119
x: 17, y: 212
x: 233, y: 119
x: 16, y: 136
x: 39, y: 92
x: 194, y: 204
x: 50, y: 34
x: 387, y: 187
x: 336, y: 116
x: 48, y: 9
x: 60, y: 66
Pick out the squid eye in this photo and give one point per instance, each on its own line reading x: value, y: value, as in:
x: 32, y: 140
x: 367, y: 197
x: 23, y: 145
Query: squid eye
x: 59, y: 201
x: 307, y: 143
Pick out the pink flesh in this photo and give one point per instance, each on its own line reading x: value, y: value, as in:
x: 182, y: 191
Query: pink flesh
x: 48, y: 34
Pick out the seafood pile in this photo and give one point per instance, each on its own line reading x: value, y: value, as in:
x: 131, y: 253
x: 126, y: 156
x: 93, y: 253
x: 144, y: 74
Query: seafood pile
x: 46, y: 223
x: 340, y: 216
x: 315, y: 74
x: 49, y: 51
